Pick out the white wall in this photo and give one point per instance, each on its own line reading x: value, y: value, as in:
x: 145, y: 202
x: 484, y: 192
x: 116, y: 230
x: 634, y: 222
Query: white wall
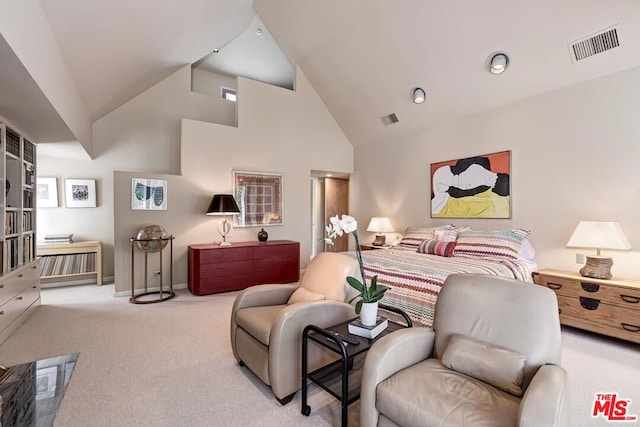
x: 574, y: 157
x: 25, y: 27
x: 284, y: 131
x: 210, y: 84
x: 142, y: 135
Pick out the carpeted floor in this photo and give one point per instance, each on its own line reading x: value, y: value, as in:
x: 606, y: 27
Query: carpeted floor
x: 170, y: 364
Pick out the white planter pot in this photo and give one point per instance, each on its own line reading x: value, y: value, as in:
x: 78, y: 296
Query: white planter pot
x: 369, y: 313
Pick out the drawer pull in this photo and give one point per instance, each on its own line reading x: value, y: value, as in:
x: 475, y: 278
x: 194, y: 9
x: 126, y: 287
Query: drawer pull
x: 589, y: 303
x: 629, y: 298
x: 20, y: 275
x: 554, y: 286
x: 1, y: 286
x: 630, y: 328
x: 590, y: 287
x: 2, y: 313
x: 19, y: 298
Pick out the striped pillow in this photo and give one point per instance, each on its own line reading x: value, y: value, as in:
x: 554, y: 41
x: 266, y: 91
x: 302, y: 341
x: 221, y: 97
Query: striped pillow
x: 503, y: 244
x: 413, y: 236
x: 437, y: 247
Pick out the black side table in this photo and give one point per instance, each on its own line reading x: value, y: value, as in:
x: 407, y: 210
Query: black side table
x: 162, y: 294
x: 334, y: 377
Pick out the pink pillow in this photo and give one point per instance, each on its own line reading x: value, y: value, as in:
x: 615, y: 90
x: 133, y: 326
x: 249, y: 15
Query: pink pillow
x: 437, y: 247
x: 414, y: 236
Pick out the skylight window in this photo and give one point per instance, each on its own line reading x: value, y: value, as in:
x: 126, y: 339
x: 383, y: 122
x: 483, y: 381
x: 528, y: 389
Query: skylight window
x: 229, y: 94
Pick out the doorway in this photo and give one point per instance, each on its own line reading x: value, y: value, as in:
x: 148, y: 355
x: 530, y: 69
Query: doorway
x: 329, y: 197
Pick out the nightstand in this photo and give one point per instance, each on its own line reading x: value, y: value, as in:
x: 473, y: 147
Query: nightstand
x: 369, y: 247
x: 608, y: 307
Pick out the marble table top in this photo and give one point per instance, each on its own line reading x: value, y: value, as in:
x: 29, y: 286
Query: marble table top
x: 32, y: 394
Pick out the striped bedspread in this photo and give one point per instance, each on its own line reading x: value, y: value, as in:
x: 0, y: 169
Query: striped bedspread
x: 415, y: 279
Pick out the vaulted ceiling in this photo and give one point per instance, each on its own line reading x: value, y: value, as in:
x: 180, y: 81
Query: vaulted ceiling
x: 362, y: 56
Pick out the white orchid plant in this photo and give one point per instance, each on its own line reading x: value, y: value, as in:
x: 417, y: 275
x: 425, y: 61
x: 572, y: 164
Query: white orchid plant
x: 368, y: 294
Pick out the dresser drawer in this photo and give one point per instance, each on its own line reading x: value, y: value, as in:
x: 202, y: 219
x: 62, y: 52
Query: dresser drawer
x: 594, y: 315
x: 14, y: 282
x: 223, y: 254
x: 229, y: 268
x: 595, y: 289
x: 18, y: 304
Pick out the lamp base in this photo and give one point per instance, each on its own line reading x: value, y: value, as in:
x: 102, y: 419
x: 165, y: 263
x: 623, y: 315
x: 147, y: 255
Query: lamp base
x: 225, y: 243
x: 380, y: 240
x: 597, y: 267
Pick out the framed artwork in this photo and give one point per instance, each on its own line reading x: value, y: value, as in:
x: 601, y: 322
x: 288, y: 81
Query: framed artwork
x: 46, y: 379
x: 148, y: 194
x: 47, y: 192
x: 80, y: 193
x: 259, y: 197
x: 473, y: 187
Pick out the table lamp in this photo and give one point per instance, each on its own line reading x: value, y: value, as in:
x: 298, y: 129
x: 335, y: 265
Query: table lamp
x: 223, y: 204
x: 380, y: 224
x: 598, y: 235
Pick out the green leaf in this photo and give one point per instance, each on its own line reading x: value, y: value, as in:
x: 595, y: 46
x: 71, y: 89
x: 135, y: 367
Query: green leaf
x: 374, y: 285
x: 358, y: 307
x: 355, y: 283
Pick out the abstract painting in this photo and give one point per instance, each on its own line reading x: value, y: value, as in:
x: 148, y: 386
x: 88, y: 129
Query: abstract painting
x: 472, y: 187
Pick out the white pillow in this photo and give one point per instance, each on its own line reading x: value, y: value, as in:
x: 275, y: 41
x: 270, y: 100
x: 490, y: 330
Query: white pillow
x: 526, y: 250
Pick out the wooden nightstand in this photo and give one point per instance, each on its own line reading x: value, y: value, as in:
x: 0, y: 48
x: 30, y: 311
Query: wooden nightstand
x: 608, y: 307
x: 369, y: 246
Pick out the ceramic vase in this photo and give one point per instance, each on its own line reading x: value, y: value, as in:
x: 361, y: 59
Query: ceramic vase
x: 262, y: 236
x: 369, y: 313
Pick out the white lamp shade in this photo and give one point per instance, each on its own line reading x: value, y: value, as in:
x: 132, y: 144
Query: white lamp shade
x: 600, y: 235
x: 380, y: 224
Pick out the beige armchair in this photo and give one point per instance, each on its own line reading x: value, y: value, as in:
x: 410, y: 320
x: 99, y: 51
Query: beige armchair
x: 491, y: 359
x: 267, y: 321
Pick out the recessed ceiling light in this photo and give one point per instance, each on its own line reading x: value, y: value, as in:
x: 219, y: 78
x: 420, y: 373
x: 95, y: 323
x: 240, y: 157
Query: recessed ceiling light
x: 216, y: 50
x: 258, y: 31
x: 417, y: 95
x: 497, y: 62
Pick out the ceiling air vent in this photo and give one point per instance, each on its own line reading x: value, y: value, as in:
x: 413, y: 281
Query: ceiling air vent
x: 593, y: 45
x: 390, y: 119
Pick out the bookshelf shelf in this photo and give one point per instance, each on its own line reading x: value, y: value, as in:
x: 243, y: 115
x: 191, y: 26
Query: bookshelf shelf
x: 19, y: 268
x: 61, y: 260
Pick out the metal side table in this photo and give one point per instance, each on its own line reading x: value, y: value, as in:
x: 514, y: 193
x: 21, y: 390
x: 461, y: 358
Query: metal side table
x: 334, y: 377
x: 163, y: 294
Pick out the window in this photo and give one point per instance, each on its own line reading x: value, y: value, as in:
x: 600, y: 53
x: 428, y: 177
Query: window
x: 229, y: 94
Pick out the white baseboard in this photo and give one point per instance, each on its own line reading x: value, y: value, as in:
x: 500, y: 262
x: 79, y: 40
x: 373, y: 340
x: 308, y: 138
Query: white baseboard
x: 105, y: 281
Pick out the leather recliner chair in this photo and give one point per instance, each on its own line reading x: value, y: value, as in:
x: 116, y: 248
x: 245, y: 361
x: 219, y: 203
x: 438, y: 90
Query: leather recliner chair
x: 491, y: 359
x: 267, y: 321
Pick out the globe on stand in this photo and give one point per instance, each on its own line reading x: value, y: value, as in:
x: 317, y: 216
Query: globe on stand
x: 152, y: 238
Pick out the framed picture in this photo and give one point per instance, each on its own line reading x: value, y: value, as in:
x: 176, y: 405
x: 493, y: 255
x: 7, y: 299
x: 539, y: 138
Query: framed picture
x: 46, y: 379
x: 47, y: 192
x: 148, y: 194
x: 473, y: 187
x: 80, y: 193
x: 259, y: 197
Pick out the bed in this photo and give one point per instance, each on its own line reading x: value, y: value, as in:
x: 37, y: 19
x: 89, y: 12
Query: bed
x: 416, y: 270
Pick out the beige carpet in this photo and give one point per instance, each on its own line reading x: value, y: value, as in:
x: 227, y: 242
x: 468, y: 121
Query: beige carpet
x: 170, y: 364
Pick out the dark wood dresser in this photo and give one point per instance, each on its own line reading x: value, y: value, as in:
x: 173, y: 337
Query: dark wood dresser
x: 215, y: 268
